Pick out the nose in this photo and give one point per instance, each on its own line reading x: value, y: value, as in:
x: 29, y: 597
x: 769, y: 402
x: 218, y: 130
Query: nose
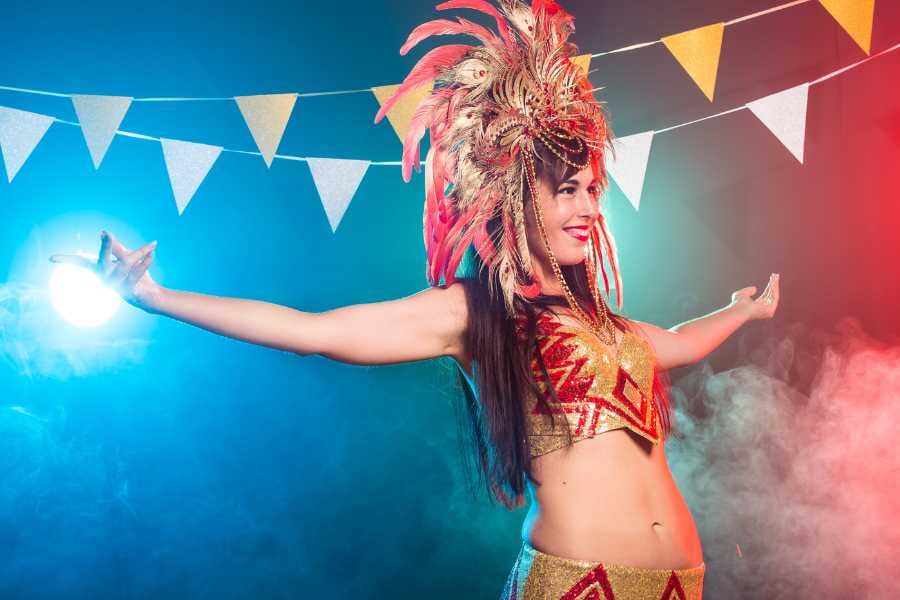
x: 588, y: 205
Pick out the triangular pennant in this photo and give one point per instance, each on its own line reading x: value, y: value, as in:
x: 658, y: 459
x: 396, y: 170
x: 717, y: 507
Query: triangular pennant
x: 337, y: 180
x: 629, y: 166
x: 784, y: 113
x: 187, y: 164
x: 100, y: 117
x: 697, y: 51
x: 266, y: 116
x: 402, y: 113
x: 20, y: 132
x: 583, y: 61
x: 855, y: 16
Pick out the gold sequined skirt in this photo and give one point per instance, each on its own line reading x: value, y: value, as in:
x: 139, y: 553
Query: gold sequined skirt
x: 539, y: 576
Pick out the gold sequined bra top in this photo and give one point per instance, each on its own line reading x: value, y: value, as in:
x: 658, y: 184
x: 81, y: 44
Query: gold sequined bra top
x: 599, y: 389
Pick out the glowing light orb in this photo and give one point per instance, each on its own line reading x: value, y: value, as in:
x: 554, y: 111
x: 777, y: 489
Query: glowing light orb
x: 80, y: 298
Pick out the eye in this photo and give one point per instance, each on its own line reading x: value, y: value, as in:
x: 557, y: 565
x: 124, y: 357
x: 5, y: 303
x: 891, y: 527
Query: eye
x: 567, y: 190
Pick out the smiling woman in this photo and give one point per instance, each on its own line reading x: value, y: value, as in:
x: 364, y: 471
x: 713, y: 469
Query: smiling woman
x: 565, y: 402
x: 569, y: 211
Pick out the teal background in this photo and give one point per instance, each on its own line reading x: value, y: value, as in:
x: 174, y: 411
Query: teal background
x: 162, y: 461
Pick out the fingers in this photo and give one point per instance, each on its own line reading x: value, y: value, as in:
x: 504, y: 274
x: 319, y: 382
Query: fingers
x: 124, y: 272
x: 770, y: 295
x: 140, y: 267
x: 124, y: 266
x: 104, y: 261
x: 117, y: 248
x: 138, y: 254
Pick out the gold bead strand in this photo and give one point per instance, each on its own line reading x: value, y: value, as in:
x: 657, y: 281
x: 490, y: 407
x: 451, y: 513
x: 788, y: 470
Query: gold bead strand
x: 604, y: 330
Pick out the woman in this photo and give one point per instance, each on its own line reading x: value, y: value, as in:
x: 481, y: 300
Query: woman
x: 566, y: 399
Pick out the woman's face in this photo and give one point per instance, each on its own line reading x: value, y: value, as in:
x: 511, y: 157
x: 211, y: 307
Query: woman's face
x: 568, y: 213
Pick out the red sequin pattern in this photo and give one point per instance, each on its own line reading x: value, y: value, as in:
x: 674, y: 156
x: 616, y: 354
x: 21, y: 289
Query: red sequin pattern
x: 599, y: 388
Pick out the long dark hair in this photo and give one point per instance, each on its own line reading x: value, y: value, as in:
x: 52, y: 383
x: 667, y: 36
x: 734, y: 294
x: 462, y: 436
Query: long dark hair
x: 492, y: 423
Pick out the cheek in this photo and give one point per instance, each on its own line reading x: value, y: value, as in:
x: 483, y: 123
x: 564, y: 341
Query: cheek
x: 553, y: 218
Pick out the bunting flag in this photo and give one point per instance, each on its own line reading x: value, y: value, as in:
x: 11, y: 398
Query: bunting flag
x: 784, y: 114
x: 697, y: 51
x: 336, y: 180
x: 100, y: 117
x: 266, y: 116
x: 20, y: 132
x: 583, y: 61
x: 187, y: 164
x: 629, y: 165
x: 855, y: 16
x: 401, y: 113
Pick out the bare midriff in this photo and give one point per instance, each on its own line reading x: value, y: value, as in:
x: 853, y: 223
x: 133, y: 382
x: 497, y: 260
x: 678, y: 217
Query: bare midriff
x: 612, y: 499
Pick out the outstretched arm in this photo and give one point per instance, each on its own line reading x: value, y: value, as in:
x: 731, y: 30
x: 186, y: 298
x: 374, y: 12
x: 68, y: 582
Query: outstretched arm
x: 427, y: 324
x: 424, y: 325
x: 688, y: 342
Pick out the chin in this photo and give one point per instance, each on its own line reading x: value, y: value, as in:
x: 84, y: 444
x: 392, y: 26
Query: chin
x: 568, y: 259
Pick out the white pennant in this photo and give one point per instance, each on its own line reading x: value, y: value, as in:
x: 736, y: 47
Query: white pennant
x: 629, y: 166
x: 266, y: 116
x: 20, y: 132
x: 187, y: 164
x: 100, y: 117
x: 784, y: 113
x: 336, y: 179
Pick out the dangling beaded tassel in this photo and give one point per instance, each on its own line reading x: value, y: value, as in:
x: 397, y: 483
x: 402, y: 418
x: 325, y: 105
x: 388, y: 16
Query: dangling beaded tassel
x: 604, y: 328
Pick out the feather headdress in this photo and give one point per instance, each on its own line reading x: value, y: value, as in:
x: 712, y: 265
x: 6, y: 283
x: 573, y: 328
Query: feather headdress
x: 489, y: 105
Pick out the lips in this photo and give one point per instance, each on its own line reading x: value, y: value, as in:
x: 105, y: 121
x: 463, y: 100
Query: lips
x: 579, y: 233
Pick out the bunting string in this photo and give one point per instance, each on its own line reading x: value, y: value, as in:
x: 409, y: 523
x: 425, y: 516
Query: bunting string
x: 266, y: 115
x: 369, y: 90
x: 726, y: 23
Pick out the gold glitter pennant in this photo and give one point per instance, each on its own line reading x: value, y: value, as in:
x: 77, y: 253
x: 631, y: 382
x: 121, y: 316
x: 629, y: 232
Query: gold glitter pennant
x: 402, y: 112
x: 855, y: 16
x: 697, y: 51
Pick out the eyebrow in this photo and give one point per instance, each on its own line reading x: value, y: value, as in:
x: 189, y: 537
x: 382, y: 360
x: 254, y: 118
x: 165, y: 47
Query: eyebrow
x: 574, y: 181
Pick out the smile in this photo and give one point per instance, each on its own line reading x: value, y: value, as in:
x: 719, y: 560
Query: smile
x: 579, y: 233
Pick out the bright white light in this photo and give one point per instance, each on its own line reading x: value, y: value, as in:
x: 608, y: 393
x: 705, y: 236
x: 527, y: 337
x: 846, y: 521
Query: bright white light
x: 80, y: 298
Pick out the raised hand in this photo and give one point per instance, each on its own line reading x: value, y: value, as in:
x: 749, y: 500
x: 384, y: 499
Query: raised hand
x: 121, y: 269
x: 762, y: 307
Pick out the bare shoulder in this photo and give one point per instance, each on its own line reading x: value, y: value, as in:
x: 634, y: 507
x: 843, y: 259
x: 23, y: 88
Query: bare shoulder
x: 668, y: 346
x: 642, y: 329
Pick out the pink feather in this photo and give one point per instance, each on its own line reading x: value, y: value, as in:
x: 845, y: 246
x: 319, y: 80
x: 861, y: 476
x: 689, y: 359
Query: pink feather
x: 436, y: 213
x: 428, y: 68
x: 429, y: 209
x: 441, y: 251
x: 460, y: 243
x: 421, y: 121
x: 447, y: 27
x: 487, y: 8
